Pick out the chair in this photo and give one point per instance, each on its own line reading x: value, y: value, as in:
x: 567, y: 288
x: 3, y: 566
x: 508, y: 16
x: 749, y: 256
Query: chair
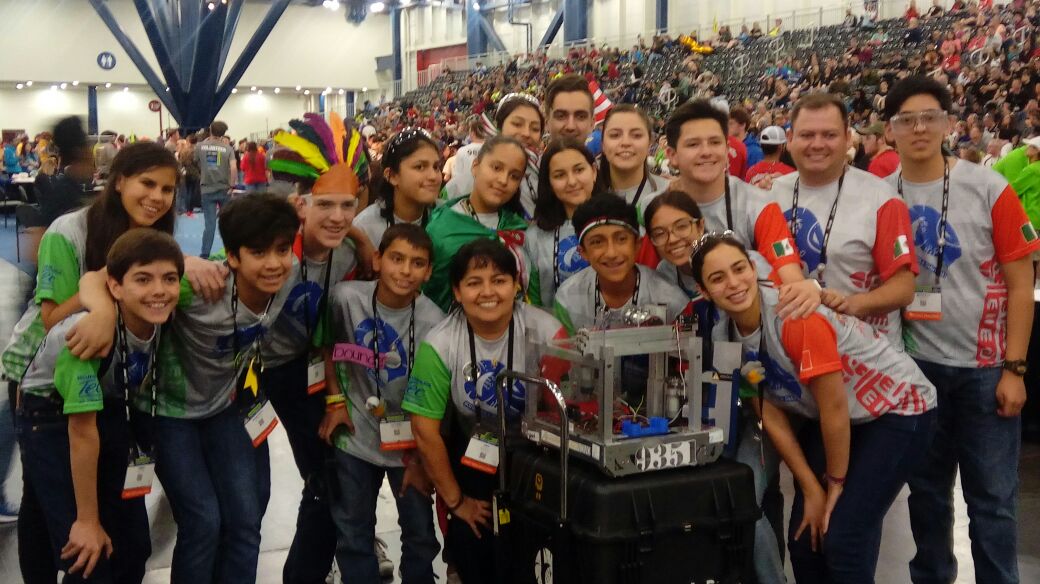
x: 11, y: 195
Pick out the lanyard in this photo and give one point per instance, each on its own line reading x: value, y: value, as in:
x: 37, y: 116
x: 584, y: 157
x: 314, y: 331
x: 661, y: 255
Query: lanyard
x: 392, y: 220
x: 601, y: 303
x: 679, y: 280
x: 830, y: 221
x: 642, y: 185
x: 729, y: 206
x: 473, y: 213
x: 234, y: 323
x: 124, y: 364
x: 939, y: 256
x: 375, y: 341
x: 323, y: 299
x: 476, y: 366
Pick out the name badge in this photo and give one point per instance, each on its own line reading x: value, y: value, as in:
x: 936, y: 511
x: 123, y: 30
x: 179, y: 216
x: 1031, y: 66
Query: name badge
x: 316, y: 375
x: 260, y: 422
x: 482, y: 453
x: 395, y: 433
x: 139, y: 476
x: 927, y: 305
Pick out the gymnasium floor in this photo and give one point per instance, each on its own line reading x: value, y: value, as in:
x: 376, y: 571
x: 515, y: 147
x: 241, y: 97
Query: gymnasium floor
x: 279, y: 524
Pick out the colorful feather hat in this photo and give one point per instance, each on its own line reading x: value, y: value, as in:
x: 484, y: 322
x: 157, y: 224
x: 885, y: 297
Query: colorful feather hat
x: 331, y: 155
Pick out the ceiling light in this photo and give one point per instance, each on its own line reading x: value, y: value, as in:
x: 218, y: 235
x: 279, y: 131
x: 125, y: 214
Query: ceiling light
x: 364, y: 90
x: 234, y: 90
x: 377, y: 7
x: 260, y: 92
x: 211, y: 6
x: 28, y: 83
x: 341, y: 92
x: 298, y: 88
x: 54, y: 88
x: 476, y: 6
x: 64, y: 85
x: 108, y: 85
x: 306, y: 91
x: 74, y: 83
x: 331, y: 4
x: 125, y: 89
x: 19, y: 86
x: 253, y: 88
x: 277, y: 89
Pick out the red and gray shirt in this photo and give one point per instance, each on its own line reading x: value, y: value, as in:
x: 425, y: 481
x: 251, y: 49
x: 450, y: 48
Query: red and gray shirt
x: 986, y: 227
x: 870, y: 239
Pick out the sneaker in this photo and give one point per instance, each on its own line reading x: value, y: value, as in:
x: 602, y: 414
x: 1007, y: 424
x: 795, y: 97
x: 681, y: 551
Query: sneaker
x: 7, y: 514
x: 386, y: 566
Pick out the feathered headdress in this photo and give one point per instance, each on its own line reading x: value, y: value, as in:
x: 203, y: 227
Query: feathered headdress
x: 330, y: 154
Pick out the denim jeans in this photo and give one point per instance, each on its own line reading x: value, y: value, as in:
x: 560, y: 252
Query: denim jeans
x: 882, y: 455
x: 758, y: 453
x: 186, y: 194
x: 44, y: 439
x: 210, y: 201
x: 218, y: 485
x: 986, y: 447
x: 314, y: 544
x: 256, y: 188
x: 355, y: 516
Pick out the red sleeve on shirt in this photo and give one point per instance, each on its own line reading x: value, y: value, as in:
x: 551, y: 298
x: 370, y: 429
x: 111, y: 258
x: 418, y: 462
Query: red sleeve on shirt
x: 885, y: 164
x: 1013, y: 235
x: 812, y: 345
x: 737, y: 157
x: 894, y: 240
x: 773, y: 238
x: 646, y: 255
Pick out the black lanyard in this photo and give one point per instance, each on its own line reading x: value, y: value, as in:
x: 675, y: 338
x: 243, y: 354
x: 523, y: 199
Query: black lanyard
x: 939, y: 257
x: 601, y: 303
x: 375, y: 341
x: 234, y: 323
x: 392, y: 220
x: 830, y: 221
x: 476, y: 365
x: 729, y: 206
x: 642, y: 185
x: 679, y: 280
x: 323, y: 299
x: 124, y: 365
x: 473, y: 213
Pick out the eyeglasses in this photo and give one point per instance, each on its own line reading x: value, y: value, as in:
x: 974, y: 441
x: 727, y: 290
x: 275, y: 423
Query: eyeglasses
x: 908, y: 121
x: 681, y: 229
x: 708, y: 238
x: 327, y: 205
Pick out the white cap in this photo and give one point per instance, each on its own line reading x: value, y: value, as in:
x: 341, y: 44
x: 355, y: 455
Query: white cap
x: 1034, y: 142
x: 773, y: 136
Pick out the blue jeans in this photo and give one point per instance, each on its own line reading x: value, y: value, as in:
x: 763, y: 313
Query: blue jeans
x: 758, y: 453
x: 44, y: 439
x: 256, y: 188
x: 882, y: 455
x: 355, y: 516
x: 218, y: 486
x: 986, y: 446
x: 314, y: 544
x: 210, y: 201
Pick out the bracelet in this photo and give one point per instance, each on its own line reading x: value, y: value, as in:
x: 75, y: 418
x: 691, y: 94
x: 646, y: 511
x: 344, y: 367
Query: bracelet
x: 335, y: 406
x: 840, y: 482
x: 338, y: 398
x: 455, y: 507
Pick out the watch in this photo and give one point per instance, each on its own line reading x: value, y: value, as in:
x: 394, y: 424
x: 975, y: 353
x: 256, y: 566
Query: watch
x: 1017, y: 367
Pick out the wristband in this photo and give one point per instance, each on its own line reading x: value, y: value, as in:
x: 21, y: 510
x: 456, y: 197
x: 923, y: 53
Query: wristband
x: 839, y: 482
x: 338, y: 398
x: 455, y: 507
x: 335, y: 406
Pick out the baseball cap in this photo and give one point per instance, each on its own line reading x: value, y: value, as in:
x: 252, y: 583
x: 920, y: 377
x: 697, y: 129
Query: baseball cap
x: 1034, y: 142
x: 773, y: 136
x: 875, y: 129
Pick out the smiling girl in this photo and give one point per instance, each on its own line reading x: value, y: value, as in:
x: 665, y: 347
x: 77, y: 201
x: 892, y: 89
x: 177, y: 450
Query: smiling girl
x: 566, y: 180
x: 626, y: 147
x: 491, y: 211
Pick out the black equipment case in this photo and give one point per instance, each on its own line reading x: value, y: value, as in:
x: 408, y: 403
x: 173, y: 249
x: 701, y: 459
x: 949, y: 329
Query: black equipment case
x: 693, y: 525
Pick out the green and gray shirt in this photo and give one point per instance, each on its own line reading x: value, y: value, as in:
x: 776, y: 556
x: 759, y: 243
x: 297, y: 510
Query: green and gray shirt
x: 391, y: 332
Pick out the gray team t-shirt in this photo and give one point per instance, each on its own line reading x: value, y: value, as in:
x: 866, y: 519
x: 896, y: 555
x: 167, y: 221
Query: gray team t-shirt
x: 214, y: 158
x: 575, y: 303
x: 555, y: 255
x: 371, y: 221
x: 353, y: 323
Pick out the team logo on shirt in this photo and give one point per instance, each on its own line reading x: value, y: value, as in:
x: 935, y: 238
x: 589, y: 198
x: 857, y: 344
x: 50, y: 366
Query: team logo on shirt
x: 89, y: 387
x: 1028, y: 232
x: 246, y: 337
x: 138, y: 368
x: 390, y: 347
x: 783, y: 248
x: 808, y: 234
x: 301, y: 305
x: 779, y: 382
x: 924, y: 221
x: 568, y: 257
x: 485, y: 380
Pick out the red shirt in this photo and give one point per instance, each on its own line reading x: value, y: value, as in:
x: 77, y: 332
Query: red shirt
x: 254, y: 169
x: 761, y: 169
x: 884, y: 164
x: 737, y: 157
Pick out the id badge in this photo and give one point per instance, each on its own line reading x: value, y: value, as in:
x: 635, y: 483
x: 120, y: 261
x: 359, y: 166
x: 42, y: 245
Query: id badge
x: 482, y: 453
x: 139, y: 476
x: 315, y: 375
x: 260, y: 421
x: 395, y: 433
x: 927, y: 305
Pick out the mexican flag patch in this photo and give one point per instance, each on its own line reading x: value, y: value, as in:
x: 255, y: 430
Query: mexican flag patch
x: 783, y: 248
x: 1028, y: 232
x: 901, y: 247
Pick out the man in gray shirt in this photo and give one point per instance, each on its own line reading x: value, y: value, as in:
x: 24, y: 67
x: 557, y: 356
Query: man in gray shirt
x: 216, y: 161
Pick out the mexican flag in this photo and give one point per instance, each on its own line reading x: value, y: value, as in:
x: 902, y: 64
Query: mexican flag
x: 1028, y: 232
x: 901, y: 247
x: 783, y: 248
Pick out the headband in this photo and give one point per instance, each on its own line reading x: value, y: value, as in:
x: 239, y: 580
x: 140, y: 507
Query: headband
x: 405, y: 135
x: 601, y: 221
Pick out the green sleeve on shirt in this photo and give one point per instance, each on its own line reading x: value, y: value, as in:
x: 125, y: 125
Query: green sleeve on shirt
x: 1027, y: 185
x: 534, y: 286
x: 187, y: 295
x: 564, y: 317
x: 429, y: 387
x: 58, y: 278
x: 78, y: 384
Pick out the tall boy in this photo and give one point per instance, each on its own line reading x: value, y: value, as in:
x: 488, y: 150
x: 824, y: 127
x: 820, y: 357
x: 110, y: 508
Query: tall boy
x: 74, y: 430
x: 212, y: 413
x: 380, y: 324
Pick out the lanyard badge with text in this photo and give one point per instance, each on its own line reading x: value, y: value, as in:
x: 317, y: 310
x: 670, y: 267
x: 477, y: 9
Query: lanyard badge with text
x: 316, y: 363
x: 140, y: 470
x: 482, y: 450
x: 927, y: 302
x: 260, y: 418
